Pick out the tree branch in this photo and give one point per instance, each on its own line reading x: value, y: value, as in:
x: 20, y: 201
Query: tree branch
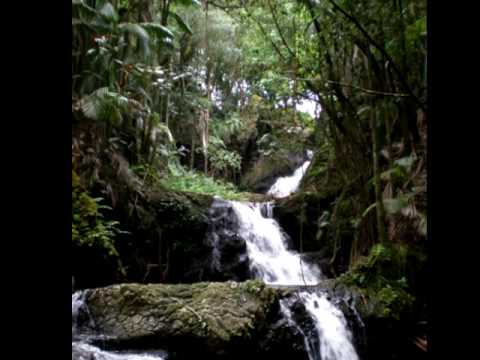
x: 369, y: 91
x: 225, y: 7
x: 382, y: 51
x: 272, y: 10
x: 265, y: 34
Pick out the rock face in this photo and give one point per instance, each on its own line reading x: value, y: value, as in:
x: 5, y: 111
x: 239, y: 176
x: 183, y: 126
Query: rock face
x: 163, y: 233
x: 208, y: 319
x: 228, y: 259
x: 300, y: 215
x: 265, y: 171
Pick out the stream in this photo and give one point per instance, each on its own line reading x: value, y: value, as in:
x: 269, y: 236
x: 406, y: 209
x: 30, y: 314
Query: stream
x: 271, y: 261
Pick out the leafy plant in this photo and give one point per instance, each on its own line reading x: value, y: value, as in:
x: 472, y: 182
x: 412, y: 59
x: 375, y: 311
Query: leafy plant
x: 89, y: 227
x: 182, y: 179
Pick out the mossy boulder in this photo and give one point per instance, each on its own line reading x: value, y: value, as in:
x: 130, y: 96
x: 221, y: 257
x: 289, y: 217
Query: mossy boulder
x: 209, y: 319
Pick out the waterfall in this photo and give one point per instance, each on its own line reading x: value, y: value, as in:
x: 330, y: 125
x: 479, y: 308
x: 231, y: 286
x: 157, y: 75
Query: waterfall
x: 267, y: 249
x: 248, y: 228
x: 287, y: 185
x: 271, y: 261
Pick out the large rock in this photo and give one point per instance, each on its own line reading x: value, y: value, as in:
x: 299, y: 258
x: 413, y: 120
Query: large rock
x: 233, y: 320
x: 267, y: 169
x: 207, y: 319
x: 228, y: 258
x: 300, y: 216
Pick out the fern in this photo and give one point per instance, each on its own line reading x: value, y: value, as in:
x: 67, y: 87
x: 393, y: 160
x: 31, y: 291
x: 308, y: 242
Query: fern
x: 104, y: 105
x: 181, y: 179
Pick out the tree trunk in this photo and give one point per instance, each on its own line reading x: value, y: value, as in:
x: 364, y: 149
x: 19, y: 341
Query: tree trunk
x: 192, y: 150
x: 382, y: 234
x: 209, y: 92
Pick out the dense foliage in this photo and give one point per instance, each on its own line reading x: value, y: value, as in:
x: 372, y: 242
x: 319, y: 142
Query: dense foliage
x: 205, y: 97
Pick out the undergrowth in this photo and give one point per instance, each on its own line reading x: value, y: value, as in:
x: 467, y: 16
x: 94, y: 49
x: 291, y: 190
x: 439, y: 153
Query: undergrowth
x: 89, y: 227
x: 179, y: 178
x: 381, y: 277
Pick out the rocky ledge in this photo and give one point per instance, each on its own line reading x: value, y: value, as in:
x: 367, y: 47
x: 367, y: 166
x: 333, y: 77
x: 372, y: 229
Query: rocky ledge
x: 213, y: 319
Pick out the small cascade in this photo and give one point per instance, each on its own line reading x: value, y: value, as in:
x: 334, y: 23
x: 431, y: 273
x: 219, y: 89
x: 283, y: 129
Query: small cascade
x: 268, y: 256
x: 271, y: 261
x: 284, y: 186
x: 82, y: 322
x: 246, y: 241
x: 84, y: 351
x: 333, y: 334
x: 308, y: 341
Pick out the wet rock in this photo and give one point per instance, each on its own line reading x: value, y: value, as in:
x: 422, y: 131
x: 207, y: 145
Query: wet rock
x: 290, y: 212
x: 228, y: 259
x: 208, y: 319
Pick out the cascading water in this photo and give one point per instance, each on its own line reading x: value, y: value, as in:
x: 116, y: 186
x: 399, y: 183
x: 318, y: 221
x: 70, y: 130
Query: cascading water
x: 86, y: 351
x: 267, y: 249
x: 271, y: 261
x: 287, y: 185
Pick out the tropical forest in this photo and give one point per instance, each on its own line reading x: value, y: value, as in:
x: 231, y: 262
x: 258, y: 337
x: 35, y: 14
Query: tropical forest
x: 249, y: 179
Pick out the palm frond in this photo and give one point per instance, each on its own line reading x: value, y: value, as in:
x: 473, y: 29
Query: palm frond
x: 104, y: 105
x: 181, y: 23
x: 140, y: 33
x: 158, y: 30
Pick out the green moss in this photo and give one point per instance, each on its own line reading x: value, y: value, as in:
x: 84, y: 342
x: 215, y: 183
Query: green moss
x: 216, y: 312
x: 381, y: 278
x: 254, y: 286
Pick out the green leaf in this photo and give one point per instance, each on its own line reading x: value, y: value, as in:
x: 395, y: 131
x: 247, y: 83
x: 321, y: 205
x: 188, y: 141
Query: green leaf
x: 139, y: 32
x: 394, y: 206
x: 158, y: 30
x: 84, y: 8
x: 363, y: 109
x: 422, y: 225
x: 103, y: 104
x: 189, y: 2
x: 182, y: 24
x: 368, y: 209
x: 405, y: 162
x: 395, y: 172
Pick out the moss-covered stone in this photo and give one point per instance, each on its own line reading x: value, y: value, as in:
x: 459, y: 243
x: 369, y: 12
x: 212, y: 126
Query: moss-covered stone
x: 211, y: 318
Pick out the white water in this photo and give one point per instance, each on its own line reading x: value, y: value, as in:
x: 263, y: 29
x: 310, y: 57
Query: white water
x: 333, y: 334
x: 89, y: 352
x: 271, y: 261
x: 86, y: 351
x: 267, y: 249
x: 287, y: 185
x: 284, y: 308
